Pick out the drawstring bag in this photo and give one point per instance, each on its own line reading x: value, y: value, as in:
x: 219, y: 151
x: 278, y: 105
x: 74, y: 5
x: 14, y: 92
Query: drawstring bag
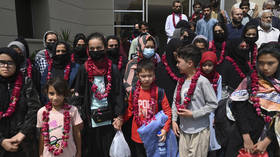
x: 119, y: 147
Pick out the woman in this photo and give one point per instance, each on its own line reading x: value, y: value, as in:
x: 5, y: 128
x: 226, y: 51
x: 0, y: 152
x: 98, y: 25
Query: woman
x: 79, y: 54
x: 255, y: 106
x: 19, y: 104
x: 218, y: 45
x: 98, y: 83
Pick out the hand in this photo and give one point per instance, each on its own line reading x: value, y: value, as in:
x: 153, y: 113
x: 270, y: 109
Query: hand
x: 261, y: 146
x: 78, y: 154
x: 19, y: 137
x: 162, y: 135
x: 118, y: 122
x: 248, y: 143
x: 9, y: 145
x: 175, y: 128
x: 184, y: 113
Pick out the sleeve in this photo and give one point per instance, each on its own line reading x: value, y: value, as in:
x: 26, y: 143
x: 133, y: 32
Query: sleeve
x: 167, y: 111
x: 219, y: 89
x: 128, y: 112
x: 270, y: 133
x: 168, y: 31
x: 174, y: 108
x: 239, y: 110
x: 126, y: 77
x: 210, y: 98
x: 198, y: 29
x: 33, y: 105
x: 76, y: 119
x: 39, y: 118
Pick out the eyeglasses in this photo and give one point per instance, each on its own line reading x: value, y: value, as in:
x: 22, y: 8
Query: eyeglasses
x: 8, y: 63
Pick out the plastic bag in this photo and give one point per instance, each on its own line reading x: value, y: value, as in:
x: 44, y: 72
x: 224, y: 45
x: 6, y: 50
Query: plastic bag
x: 119, y: 147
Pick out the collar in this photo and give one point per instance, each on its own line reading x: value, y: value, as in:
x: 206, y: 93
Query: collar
x: 261, y: 29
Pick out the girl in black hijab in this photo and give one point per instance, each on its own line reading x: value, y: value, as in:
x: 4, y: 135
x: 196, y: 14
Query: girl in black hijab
x: 19, y: 104
x: 79, y: 54
x: 250, y: 36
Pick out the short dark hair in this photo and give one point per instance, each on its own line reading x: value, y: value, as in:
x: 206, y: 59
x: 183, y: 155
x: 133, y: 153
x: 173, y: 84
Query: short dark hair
x: 176, y: 1
x: 145, y: 64
x: 97, y: 35
x: 244, y: 3
x: 143, y: 23
x: 60, y: 85
x: 206, y: 6
x: 113, y: 37
x: 196, y: 3
x: 190, y: 52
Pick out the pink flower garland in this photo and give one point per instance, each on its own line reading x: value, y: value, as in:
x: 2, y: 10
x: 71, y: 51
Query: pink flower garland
x: 48, y: 58
x: 152, y: 108
x: 66, y: 71
x: 120, y: 62
x: 213, y: 47
x: 173, y: 19
x: 94, y: 87
x: 237, y: 69
x: 29, y: 68
x: 168, y: 69
x: 14, y: 98
x: 189, y: 93
x: 72, y: 58
x: 66, y: 128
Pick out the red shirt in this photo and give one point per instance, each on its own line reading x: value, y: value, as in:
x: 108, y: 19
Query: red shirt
x: 143, y: 104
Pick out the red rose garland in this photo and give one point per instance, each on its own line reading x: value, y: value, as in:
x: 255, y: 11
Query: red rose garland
x: 120, y: 62
x: 152, y: 102
x: 48, y: 58
x: 189, y: 93
x: 254, y: 62
x: 29, y: 68
x: 173, y: 19
x: 72, y: 58
x: 94, y: 87
x: 168, y: 69
x: 66, y: 129
x: 66, y: 71
x: 14, y: 97
x: 237, y: 69
x: 213, y: 47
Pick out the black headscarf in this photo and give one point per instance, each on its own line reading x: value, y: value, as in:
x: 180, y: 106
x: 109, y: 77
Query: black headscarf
x: 60, y: 61
x: 80, y: 55
x: 170, y: 48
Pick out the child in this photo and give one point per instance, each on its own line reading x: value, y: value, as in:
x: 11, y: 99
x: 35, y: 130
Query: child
x: 208, y: 64
x: 59, y: 122
x: 255, y: 106
x: 194, y: 99
x: 143, y: 104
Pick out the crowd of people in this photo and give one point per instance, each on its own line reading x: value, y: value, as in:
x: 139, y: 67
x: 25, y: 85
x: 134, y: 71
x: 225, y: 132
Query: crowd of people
x: 215, y: 89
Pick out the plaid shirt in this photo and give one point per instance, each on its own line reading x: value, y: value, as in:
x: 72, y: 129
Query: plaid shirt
x: 40, y: 61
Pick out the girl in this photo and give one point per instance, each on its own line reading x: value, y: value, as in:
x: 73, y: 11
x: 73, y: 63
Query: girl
x: 201, y: 43
x: 18, y: 107
x: 79, y: 55
x: 98, y: 84
x: 250, y: 36
x: 208, y: 64
x: 59, y: 123
x: 255, y: 106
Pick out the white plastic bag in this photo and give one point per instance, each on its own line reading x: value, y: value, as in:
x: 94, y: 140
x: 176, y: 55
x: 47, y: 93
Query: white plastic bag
x: 119, y: 147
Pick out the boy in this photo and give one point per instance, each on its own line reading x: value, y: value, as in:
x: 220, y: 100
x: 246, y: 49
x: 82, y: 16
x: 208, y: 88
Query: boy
x: 199, y: 96
x: 144, y: 101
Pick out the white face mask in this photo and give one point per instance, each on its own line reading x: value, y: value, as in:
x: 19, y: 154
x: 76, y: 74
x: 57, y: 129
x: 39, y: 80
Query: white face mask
x: 148, y: 52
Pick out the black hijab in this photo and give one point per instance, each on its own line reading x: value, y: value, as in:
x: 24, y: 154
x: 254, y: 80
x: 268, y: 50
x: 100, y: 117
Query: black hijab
x: 80, y: 55
x: 172, y: 45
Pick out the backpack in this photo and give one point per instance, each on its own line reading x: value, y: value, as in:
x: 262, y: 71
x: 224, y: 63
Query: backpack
x: 160, y: 97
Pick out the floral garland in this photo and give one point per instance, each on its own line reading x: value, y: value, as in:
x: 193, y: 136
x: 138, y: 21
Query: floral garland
x: 66, y: 71
x: 94, y: 87
x: 72, y: 58
x: 173, y: 19
x: 66, y: 129
x: 152, y: 102
x: 48, y: 58
x: 237, y: 69
x: 214, y: 83
x: 254, y: 62
x: 120, y: 62
x: 14, y: 98
x: 29, y: 68
x: 189, y: 93
x: 213, y: 47
x: 168, y: 69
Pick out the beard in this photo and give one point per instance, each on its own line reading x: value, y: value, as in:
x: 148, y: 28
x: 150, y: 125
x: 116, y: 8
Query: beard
x: 266, y: 25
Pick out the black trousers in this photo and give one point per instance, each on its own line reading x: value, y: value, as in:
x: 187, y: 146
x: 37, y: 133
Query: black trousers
x: 139, y: 150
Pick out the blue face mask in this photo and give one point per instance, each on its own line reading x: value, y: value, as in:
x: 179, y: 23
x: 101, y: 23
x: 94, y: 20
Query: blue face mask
x: 148, y: 52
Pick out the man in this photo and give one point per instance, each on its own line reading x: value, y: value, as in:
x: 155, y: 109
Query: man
x: 266, y: 32
x: 197, y: 15
x: 205, y: 25
x: 235, y: 28
x: 144, y: 28
x: 253, y: 11
x: 267, y: 5
x: 245, y: 7
x: 174, y: 18
x: 43, y: 56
